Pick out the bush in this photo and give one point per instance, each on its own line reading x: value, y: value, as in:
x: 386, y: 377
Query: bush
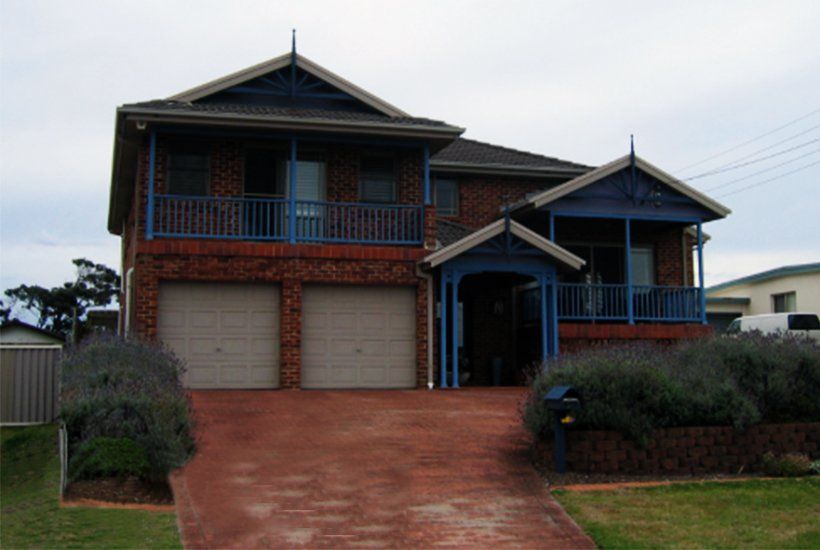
x: 716, y: 381
x: 115, y: 388
x: 788, y: 465
x: 108, y: 457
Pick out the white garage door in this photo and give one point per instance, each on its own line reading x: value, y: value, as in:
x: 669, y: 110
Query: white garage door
x: 358, y: 337
x: 228, y: 334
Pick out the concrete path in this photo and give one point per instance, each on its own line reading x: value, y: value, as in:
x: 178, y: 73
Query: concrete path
x: 365, y: 469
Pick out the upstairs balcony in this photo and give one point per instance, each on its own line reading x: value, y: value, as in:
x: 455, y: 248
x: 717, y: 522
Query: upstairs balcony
x: 266, y: 219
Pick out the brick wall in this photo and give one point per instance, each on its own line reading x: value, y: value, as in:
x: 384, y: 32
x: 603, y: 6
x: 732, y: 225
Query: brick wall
x: 479, y: 199
x: 579, y: 336
x: 691, y: 450
x: 291, y: 267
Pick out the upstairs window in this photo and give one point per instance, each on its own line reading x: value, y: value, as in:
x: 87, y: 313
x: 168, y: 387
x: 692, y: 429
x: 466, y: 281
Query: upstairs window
x: 264, y: 175
x: 447, y: 197
x: 378, y: 180
x: 785, y: 302
x: 188, y: 169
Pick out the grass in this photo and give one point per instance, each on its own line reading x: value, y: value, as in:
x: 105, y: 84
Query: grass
x: 758, y: 513
x: 30, y: 516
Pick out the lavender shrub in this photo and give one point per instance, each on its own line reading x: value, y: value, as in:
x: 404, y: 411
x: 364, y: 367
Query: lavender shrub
x: 716, y: 381
x: 116, y: 388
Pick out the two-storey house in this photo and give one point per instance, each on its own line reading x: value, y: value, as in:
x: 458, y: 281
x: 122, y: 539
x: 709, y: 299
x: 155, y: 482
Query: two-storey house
x: 282, y: 227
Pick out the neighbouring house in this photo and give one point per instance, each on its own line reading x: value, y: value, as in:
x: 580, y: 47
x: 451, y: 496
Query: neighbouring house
x: 780, y: 290
x: 20, y: 333
x: 282, y: 227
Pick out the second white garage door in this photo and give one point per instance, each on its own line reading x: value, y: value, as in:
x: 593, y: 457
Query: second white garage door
x: 228, y: 334
x: 358, y: 337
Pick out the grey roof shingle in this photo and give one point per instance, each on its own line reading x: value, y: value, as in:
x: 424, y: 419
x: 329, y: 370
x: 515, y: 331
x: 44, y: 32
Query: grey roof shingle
x: 469, y: 151
x: 276, y: 112
x: 448, y: 232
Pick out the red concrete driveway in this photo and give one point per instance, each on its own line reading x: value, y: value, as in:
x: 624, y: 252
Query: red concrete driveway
x: 366, y: 468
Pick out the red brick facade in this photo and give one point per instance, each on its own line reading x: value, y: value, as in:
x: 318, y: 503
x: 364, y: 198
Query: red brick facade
x: 690, y: 450
x: 292, y: 266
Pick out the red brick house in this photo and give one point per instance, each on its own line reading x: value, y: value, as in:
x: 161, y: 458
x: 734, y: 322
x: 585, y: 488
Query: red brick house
x: 282, y: 227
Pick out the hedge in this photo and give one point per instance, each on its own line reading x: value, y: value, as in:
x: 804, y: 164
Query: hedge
x: 716, y: 381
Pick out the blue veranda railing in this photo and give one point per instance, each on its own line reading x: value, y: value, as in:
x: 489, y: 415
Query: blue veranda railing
x: 263, y: 219
x: 609, y: 302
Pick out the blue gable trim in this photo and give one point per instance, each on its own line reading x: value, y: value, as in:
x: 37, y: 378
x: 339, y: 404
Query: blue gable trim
x: 617, y: 194
x: 289, y: 87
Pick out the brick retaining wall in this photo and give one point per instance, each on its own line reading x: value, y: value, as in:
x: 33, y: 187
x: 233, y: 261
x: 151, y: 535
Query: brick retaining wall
x: 690, y: 450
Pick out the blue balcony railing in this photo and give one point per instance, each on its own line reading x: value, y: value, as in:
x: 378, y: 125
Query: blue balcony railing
x: 261, y: 219
x: 608, y: 302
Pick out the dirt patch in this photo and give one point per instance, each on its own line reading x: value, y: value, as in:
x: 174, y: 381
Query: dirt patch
x: 123, y: 491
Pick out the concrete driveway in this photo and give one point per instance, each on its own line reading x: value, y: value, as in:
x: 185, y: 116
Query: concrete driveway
x: 365, y: 468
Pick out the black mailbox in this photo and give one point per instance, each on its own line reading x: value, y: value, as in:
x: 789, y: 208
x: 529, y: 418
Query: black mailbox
x: 562, y: 400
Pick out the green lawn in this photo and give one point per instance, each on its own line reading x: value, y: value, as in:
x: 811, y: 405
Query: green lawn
x: 31, y: 518
x: 759, y: 513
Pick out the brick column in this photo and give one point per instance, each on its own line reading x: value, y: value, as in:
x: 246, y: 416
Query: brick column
x: 421, y: 334
x: 146, y: 298
x: 290, y: 345
x: 430, y: 228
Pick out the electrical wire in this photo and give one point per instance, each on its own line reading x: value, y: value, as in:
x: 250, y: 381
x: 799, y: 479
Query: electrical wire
x: 755, y: 161
x: 759, y: 183
x: 736, y: 147
x: 753, y: 174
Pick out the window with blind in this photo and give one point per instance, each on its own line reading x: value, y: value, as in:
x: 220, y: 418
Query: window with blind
x: 785, y: 302
x: 447, y: 197
x: 188, y: 169
x: 378, y: 179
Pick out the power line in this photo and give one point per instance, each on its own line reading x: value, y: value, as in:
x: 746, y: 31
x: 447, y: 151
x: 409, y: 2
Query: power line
x: 755, y: 153
x: 753, y: 174
x: 736, y: 147
x: 755, y: 161
x: 805, y: 167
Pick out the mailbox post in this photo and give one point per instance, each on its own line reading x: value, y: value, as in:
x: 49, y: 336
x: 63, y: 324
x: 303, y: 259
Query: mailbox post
x: 562, y: 400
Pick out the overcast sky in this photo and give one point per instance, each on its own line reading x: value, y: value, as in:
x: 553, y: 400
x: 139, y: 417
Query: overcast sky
x: 567, y: 79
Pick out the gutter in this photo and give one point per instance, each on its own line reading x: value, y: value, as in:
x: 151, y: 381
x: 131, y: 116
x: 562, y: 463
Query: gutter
x: 505, y: 169
x: 289, y: 123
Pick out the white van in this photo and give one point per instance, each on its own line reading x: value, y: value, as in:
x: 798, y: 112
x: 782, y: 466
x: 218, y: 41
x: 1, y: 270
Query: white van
x: 773, y: 323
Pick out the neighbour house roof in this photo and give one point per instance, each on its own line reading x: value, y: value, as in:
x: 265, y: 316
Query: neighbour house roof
x: 493, y: 230
x: 16, y: 323
x: 546, y: 197
x: 784, y: 271
x: 471, y: 155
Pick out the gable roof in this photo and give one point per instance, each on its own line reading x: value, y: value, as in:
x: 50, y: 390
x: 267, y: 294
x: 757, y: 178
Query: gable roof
x: 540, y: 199
x: 17, y: 323
x: 471, y: 155
x: 280, y: 62
x: 775, y: 273
x: 493, y: 230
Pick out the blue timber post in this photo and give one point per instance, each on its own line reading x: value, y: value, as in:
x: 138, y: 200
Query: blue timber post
x: 542, y: 279
x: 152, y: 161
x: 630, y: 314
x: 456, y: 278
x: 292, y: 193
x: 443, y: 329
x: 427, y: 194
x: 554, y: 306
x: 552, y: 227
x: 700, y: 275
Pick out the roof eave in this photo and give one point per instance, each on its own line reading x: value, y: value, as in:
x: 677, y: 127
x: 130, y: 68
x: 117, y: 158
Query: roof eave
x: 294, y: 123
x: 504, y: 169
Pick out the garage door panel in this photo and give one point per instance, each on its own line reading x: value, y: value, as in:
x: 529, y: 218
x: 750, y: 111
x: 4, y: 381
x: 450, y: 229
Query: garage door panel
x: 358, y: 337
x: 228, y: 334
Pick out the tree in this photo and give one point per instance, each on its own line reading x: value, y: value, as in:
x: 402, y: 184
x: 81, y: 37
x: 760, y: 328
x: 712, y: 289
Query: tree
x: 95, y: 285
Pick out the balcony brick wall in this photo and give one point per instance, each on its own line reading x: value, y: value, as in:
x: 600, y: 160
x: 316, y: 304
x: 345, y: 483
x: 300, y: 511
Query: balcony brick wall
x: 291, y: 267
